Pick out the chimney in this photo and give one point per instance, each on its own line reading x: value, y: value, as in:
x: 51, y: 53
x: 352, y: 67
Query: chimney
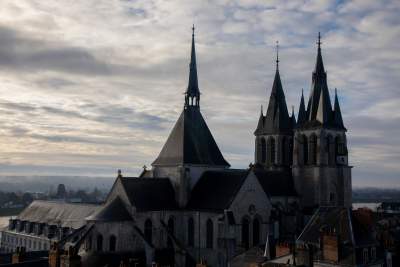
x: 54, y: 255
x: 70, y: 258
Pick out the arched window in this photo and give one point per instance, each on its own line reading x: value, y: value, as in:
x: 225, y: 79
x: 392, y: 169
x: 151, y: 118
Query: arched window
x: 209, y: 234
x: 148, y: 230
x: 245, y: 233
x: 284, y: 150
x: 256, y: 232
x: 329, y: 149
x: 263, y: 150
x: 99, y: 243
x: 305, y: 150
x: 339, y: 147
x: 113, y: 243
x: 271, y: 150
x: 290, y: 151
x: 313, y: 149
x: 190, y: 232
x: 171, y: 230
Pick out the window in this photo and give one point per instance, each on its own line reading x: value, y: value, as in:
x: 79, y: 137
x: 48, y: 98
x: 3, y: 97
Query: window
x: 263, y: 150
x: 305, y: 150
x: 148, y: 231
x: 365, y: 255
x: 113, y: 243
x: 329, y: 149
x: 373, y: 253
x: 284, y: 149
x: 273, y: 151
x: 209, y: 234
x: 256, y: 232
x: 245, y: 233
x: 313, y: 149
x: 190, y: 232
x: 99, y: 243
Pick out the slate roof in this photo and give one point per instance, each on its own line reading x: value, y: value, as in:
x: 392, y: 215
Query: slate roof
x: 193, y: 85
x: 276, y: 183
x: 150, y: 194
x: 216, y: 190
x: 114, y: 211
x: 277, y: 118
x: 58, y: 213
x: 190, y: 142
x: 343, y: 221
x: 319, y: 111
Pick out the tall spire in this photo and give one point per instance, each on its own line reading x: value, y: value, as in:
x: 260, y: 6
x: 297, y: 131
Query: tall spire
x: 277, y: 117
x: 319, y: 106
x: 192, y: 95
x: 337, y: 114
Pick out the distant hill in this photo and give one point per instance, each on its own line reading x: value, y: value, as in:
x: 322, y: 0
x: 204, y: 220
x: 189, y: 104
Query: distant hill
x: 50, y: 183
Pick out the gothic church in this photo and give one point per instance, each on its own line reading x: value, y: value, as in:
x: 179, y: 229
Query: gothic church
x: 192, y: 207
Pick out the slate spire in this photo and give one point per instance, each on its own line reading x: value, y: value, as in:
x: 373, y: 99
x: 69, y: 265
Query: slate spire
x: 192, y: 94
x: 337, y: 114
x: 293, y: 118
x: 319, y: 106
x: 260, y: 124
x: 302, y: 116
x: 277, y: 118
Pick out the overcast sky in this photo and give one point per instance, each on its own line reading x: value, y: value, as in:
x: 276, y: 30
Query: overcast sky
x: 88, y: 87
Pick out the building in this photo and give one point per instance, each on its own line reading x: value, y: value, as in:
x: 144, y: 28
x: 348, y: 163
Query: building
x: 192, y: 207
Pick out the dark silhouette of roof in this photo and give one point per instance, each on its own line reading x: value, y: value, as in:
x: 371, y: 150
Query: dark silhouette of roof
x: 216, y: 190
x: 150, y: 194
x: 193, y: 85
x: 111, y: 212
x: 276, y: 183
x: 337, y: 114
x: 302, y: 116
x: 277, y: 118
x: 319, y: 111
x: 190, y: 142
x: 343, y: 221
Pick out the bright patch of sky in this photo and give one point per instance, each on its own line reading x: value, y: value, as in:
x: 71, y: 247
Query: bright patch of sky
x: 89, y: 87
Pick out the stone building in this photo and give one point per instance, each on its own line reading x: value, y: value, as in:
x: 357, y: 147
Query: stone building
x: 192, y: 207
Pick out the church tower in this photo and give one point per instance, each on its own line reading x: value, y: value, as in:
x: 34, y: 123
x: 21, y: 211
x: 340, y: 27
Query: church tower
x: 190, y: 148
x: 274, y: 133
x: 320, y: 169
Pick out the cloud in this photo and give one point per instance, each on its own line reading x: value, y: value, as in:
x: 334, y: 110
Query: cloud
x: 107, y: 77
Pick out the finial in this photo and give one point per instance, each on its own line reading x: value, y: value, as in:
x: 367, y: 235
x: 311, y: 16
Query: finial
x: 193, y: 29
x: 119, y: 173
x: 277, y: 55
x: 335, y: 91
x: 319, y: 40
x: 262, y: 110
x: 144, y: 167
x: 302, y: 91
x: 292, y: 109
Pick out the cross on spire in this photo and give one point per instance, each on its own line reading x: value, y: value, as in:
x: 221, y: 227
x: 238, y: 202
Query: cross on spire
x: 319, y: 40
x: 277, y: 55
x: 193, y: 29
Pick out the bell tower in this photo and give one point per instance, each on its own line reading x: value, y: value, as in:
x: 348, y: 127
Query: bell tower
x: 320, y: 169
x: 274, y: 133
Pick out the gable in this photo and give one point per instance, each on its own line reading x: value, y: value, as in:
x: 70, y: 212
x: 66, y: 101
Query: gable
x: 251, y: 193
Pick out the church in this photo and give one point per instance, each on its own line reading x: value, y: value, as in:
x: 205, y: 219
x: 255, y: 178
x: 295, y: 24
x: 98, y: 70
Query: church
x: 191, y: 207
